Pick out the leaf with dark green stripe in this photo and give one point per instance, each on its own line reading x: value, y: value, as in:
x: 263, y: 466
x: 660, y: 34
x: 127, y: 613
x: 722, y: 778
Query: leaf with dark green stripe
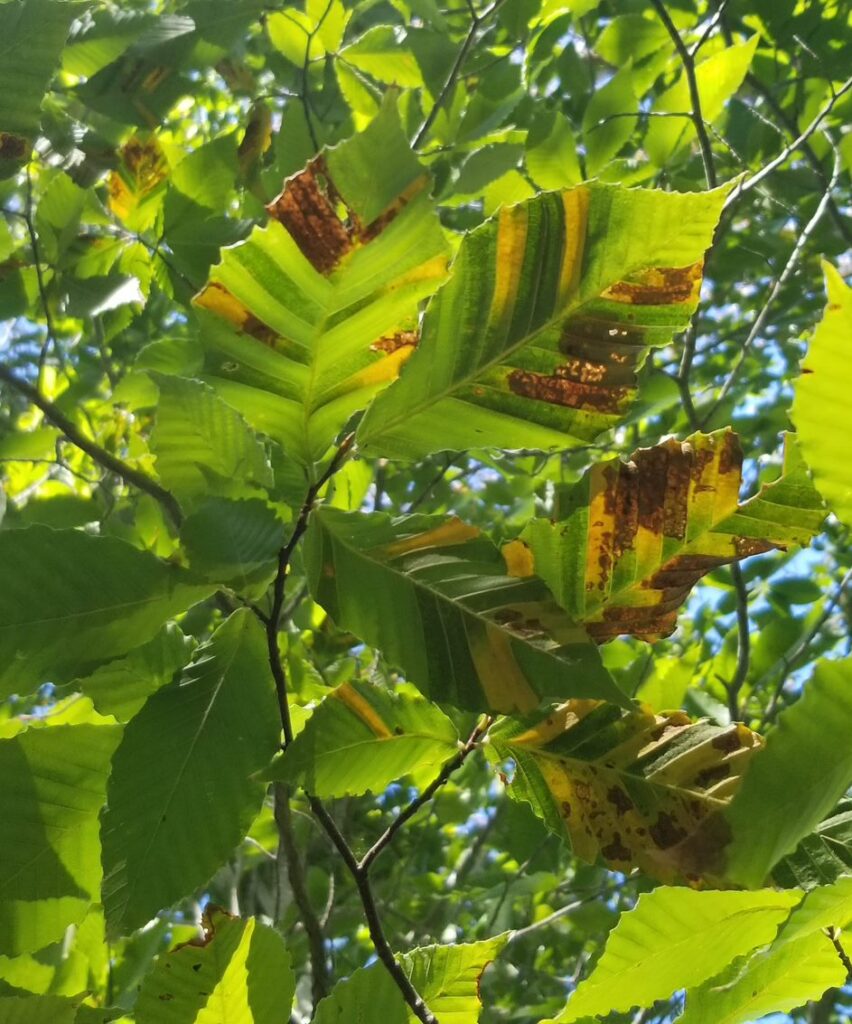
x: 362, y: 737
x: 638, y: 789
x: 632, y: 538
x: 434, y: 596
x: 550, y: 310
x: 316, y: 311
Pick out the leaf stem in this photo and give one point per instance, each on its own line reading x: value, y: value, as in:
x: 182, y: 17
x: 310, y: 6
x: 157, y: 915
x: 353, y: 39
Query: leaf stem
x: 135, y: 477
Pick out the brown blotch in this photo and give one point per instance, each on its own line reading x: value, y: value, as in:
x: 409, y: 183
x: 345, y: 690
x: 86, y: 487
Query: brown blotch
x: 616, y: 850
x: 662, y: 286
x: 566, y: 809
x: 307, y: 209
x: 710, y: 776
x: 727, y: 741
x: 556, y: 389
x: 393, y: 342
x: 13, y: 147
x: 730, y: 455
x: 620, y: 800
x: 652, y: 464
x: 665, y: 832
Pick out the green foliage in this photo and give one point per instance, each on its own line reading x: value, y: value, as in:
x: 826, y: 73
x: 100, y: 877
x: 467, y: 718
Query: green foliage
x: 402, y: 540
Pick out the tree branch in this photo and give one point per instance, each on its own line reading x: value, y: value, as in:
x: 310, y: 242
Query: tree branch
x: 362, y: 882
x: 134, y: 477
x: 289, y: 853
x: 834, y: 936
x: 687, y: 59
x: 423, y: 798
x: 743, y: 644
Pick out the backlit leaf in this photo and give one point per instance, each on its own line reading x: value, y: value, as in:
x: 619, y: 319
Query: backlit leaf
x: 638, y: 789
x: 433, y: 594
x: 676, y: 938
x: 362, y: 737
x: 804, y: 769
x: 822, y: 398
x: 239, y: 973
x: 550, y: 310
x: 317, y: 308
x: 632, y: 538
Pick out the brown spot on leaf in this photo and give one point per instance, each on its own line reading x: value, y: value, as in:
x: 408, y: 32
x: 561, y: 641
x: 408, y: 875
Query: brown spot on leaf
x: 12, y: 146
x: 616, y: 850
x: 558, y: 389
x: 620, y: 800
x: 393, y: 342
x: 658, y: 286
x: 727, y: 741
x: 665, y: 832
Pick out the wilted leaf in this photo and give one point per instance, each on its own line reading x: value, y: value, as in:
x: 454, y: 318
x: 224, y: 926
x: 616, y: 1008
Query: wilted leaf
x: 550, y: 310
x: 137, y: 186
x: 641, y: 790
x: 632, y: 538
x: 434, y: 595
x: 317, y: 308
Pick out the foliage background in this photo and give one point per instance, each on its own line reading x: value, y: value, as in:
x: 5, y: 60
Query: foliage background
x: 163, y: 131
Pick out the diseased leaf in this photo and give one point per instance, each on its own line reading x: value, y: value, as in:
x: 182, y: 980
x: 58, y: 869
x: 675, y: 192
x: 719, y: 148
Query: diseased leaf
x: 239, y: 973
x: 317, y: 308
x: 550, y: 310
x: 54, y: 781
x: 362, y: 737
x: 632, y: 538
x: 137, y: 187
x: 804, y: 769
x: 70, y: 601
x: 638, y: 789
x: 675, y: 938
x: 446, y: 977
x: 821, y: 400
x: 434, y: 595
x: 182, y: 794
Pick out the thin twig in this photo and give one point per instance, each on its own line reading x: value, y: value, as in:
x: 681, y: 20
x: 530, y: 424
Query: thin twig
x: 550, y: 919
x: 383, y: 950
x: 781, y: 280
x: 785, y: 154
x: 423, y: 798
x: 288, y: 852
x: 687, y: 59
x: 134, y: 477
x: 733, y: 687
x: 803, y: 646
x: 42, y: 289
x: 834, y: 936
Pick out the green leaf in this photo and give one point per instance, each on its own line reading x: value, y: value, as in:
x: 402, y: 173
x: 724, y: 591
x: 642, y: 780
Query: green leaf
x: 70, y: 600
x: 797, y: 779
x: 777, y: 980
x: 821, y: 398
x: 362, y: 737
x: 676, y: 938
x: 605, y: 127
x: 37, y: 1010
x: 379, y: 54
x: 181, y: 794
x: 829, y: 906
x: 635, y: 788
x: 434, y: 595
x: 629, y: 542
x: 121, y: 687
x: 718, y: 79
x: 32, y: 33
x: 552, y: 151
x: 446, y: 977
x: 54, y: 781
x: 202, y: 445
x: 318, y: 307
x: 631, y: 37
x: 233, y: 542
x: 550, y: 310
x: 240, y: 973
x: 821, y: 857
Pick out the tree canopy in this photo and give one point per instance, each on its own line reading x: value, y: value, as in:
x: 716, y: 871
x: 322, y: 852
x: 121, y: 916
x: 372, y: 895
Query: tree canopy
x: 424, y: 511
